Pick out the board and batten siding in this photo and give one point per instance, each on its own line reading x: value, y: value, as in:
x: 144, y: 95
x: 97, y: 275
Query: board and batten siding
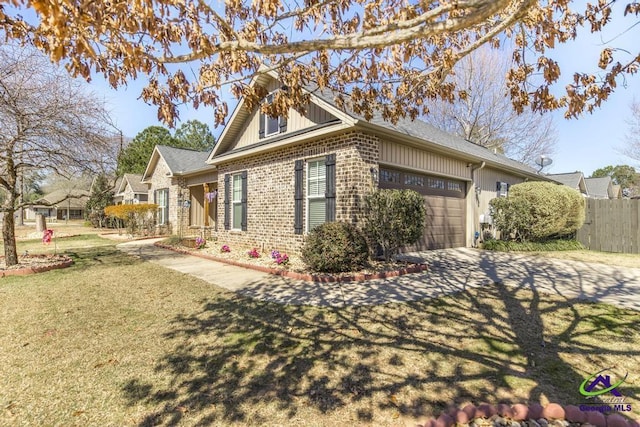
x: 296, y: 121
x: 487, y: 178
x: 392, y: 153
x: 203, y: 178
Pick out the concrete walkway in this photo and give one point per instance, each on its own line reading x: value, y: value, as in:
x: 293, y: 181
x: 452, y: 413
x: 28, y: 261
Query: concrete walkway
x: 451, y: 270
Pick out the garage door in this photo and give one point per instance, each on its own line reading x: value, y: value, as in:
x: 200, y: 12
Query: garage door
x: 444, y: 200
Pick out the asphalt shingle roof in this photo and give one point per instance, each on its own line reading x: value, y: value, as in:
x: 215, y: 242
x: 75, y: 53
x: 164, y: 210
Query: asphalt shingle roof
x: 135, y: 182
x: 569, y: 179
x: 598, y: 187
x: 430, y: 134
x: 183, y: 160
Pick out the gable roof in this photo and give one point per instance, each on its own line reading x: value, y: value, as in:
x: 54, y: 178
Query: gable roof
x: 134, y: 181
x: 417, y: 131
x: 180, y: 161
x: 571, y: 179
x: 598, y: 187
x: 75, y: 198
x: 432, y: 136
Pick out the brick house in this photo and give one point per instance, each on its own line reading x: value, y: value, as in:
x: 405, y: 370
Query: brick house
x: 184, y: 188
x: 277, y: 178
x: 131, y: 190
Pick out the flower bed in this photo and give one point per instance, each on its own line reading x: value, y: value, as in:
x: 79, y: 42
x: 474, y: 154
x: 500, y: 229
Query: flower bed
x: 31, y: 264
x: 292, y: 266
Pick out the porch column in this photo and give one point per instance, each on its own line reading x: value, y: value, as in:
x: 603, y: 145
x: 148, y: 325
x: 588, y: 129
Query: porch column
x: 205, y: 186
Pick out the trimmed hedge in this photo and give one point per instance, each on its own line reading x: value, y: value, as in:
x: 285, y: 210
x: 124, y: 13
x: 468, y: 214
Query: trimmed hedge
x: 549, y: 245
x: 335, y: 247
x: 536, y: 211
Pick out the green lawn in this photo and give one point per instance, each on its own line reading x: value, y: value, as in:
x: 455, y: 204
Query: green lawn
x: 114, y: 341
x: 62, y: 244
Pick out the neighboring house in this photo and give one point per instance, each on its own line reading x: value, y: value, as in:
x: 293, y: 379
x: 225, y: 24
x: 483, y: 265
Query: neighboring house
x: 60, y: 204
x: 184, y: 187
x: 278, y: 178
x: 601, y: 188
x: 594, y: 188
x: 574, y: 180
x: 131, y: 190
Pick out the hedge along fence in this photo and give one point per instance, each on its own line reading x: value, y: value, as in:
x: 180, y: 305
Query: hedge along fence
x: 535, y: 211
x: 137, y: 219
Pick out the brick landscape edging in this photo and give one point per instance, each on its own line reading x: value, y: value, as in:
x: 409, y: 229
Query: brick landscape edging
x: 38, y: 269
x: 520, y: 412
x: 318, y: 278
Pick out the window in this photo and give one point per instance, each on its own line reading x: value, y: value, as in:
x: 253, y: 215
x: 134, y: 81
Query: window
x: 162, y: 200
x: 436, y: 183
x: 415, y: 180
x: 236, y: 201
x: 316, y: 187
x: 502, y: 189
x: 271, y: 125
x: 454, y: 186
x: 389, y: 176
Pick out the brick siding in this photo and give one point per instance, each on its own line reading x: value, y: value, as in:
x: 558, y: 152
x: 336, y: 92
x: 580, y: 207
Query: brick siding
x: 271, y: 186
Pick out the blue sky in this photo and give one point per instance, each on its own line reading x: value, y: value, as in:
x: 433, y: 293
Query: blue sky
x: 584, y: 144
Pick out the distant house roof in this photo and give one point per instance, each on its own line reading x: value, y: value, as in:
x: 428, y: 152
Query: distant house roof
x: 571, y: 179
x: 599, y: 188
x: 74, y: 199
x: 134, y: 181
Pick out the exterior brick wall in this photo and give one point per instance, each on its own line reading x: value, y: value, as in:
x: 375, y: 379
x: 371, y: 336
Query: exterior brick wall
x: 271, y: 187
x: 176, y: 186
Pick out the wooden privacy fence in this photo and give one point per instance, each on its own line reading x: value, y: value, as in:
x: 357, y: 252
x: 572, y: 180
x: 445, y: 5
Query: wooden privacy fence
x: 611, y: 226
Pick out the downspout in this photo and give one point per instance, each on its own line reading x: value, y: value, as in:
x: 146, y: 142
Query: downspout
x: 477, y: 189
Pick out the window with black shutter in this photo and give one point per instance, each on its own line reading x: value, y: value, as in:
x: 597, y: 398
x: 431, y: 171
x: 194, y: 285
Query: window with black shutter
x: 270, y: 126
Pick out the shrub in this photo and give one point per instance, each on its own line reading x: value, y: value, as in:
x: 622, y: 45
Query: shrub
x: 394, y: 218
x: 335, y: 247
x: 537, y: 211
x: 548, y: 245
x: 136, y: 218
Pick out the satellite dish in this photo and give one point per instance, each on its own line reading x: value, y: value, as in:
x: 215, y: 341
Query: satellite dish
x: 543, y: 161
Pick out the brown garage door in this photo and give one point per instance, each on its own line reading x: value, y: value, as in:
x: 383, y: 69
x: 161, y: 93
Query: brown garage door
x: 444, y: 199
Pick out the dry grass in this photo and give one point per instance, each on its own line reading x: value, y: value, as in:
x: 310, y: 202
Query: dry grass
x: 609, y: 258
x: 113, y: 341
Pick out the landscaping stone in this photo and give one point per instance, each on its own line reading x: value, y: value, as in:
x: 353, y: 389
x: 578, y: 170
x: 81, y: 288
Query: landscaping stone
x: 519, y: 415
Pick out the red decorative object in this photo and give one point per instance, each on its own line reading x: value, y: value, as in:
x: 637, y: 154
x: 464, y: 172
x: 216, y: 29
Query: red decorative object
x: 47, y: 236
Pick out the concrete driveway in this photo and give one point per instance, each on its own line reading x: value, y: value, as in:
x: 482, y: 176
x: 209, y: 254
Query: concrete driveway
x: 451, y: 270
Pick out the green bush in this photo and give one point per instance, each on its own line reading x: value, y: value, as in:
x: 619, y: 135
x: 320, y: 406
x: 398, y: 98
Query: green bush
x: 394, y: 218
x: 335, y: 247
x: 549, y: 245
x: 536, y: 211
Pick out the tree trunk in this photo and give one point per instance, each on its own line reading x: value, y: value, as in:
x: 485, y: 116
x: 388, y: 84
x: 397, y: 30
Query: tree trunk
x: 41, y: 223
x: 9, y: 237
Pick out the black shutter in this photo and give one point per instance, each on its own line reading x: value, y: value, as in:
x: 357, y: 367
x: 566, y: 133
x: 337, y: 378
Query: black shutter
x: 227, y: 202
x: 262, y: 120
x: 283, y: 124
x: 330, y: 193
x: 498, y: 186
x: 243, y: 224
x: 299, y: 197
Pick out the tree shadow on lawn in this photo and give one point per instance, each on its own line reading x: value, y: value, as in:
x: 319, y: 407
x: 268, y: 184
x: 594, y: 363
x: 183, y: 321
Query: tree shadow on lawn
x: 240, y: 360
x: 86, y: 258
